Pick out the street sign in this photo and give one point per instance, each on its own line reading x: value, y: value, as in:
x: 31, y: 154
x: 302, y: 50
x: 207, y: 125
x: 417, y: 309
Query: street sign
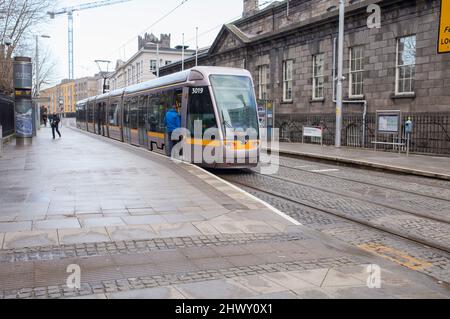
x: 444, y: 28
x: 312, y: 132
x: 388, y: 122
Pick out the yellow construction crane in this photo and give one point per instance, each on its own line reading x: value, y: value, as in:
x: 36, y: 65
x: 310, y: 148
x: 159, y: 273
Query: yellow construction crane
x: 70, y: 11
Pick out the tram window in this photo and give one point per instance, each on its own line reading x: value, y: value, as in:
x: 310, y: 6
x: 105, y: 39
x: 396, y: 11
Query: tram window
x: 113, y: 117
x: 134, y: 113
x: 126, y: 114
x: 200, y: 109
x: 90, y: 112
x: 178, y: 98
x: 142, y: 118
x: 153, y: 114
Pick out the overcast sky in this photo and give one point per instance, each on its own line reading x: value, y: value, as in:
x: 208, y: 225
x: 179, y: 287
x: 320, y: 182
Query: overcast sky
x: 111, y: 32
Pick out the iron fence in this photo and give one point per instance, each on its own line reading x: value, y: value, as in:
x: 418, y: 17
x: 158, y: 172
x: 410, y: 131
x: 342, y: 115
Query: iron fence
x: 431, y: 134
x: 7, y: 115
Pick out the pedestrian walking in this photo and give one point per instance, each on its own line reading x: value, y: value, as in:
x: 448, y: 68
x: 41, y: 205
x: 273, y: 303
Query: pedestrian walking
x: 44, y: 119
x: 54, y: 123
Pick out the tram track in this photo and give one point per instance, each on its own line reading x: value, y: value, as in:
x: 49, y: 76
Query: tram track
x: 347, y: 194
x: 424, y: 194
x: 429, y: 257
x: 360, y: 221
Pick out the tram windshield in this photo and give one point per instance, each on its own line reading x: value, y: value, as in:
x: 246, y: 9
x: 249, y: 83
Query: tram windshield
x: 236, y: 102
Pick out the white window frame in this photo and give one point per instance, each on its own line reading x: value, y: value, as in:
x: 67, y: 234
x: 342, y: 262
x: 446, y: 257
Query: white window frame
x: 138, y: 71
x: 398, y: 67
x: 153, y: 67
x: 288, y: 80
x: 317, y: 77
x: 356, y: 71
x: 262, y: 81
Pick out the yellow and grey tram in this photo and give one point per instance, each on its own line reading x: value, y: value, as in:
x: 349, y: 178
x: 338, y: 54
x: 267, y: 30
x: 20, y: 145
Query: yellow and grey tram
x: 217, y: 106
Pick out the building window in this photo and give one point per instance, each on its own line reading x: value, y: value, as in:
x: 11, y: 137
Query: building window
x: 356, y: 71
x: 406, y: 65
x: 153, y: 65
x: 287, y: 80
x: 318, y: 77
x: 262, y: 85
x: 138, y: 71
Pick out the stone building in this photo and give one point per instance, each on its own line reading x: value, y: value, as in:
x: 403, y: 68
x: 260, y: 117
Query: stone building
x: 143, y: 65
x: 64, y: 96
x: 87, y: 87
x: 289, y: 47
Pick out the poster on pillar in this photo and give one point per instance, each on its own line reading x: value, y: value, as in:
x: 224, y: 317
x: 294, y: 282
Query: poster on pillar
x: 444, y: 28
x: 24, y: 119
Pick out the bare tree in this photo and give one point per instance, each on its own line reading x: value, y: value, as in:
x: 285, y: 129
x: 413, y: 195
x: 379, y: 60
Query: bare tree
x: 17, y: 18
x: 47, y: 69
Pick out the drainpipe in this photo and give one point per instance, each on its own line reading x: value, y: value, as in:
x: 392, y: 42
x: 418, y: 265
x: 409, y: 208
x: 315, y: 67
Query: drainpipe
x: 363, y: 102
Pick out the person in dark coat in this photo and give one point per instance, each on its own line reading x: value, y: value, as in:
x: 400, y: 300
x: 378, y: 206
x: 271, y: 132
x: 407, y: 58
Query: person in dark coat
x: 54, y: 123
x: 44, y: 119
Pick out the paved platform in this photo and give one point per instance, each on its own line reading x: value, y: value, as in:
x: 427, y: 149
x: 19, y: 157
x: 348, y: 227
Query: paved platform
x: 420, y: 165
x: 142, y: 226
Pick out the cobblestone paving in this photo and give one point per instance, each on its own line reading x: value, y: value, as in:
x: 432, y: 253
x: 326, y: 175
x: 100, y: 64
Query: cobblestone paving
x: 140, y: 246
x: 419, y: 185
x: 414, y: 203
x: 436, y: 234
x: 358, y: 235
x: 162, y: 280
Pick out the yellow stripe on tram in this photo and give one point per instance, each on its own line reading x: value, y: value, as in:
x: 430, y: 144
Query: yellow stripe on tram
x: 234, y: 145
x: 156, y: 135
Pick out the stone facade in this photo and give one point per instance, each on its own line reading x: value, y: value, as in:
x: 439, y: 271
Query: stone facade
x: 271, y: 36
x: 141, y: 67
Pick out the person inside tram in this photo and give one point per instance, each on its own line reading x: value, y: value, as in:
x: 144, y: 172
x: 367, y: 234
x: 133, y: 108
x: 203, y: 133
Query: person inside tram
x: 172, y: 122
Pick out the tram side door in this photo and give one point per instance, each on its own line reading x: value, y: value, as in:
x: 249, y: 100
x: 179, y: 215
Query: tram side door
x: 126, y: 122
x: 143, y: 122
x: 104, y: 119
x: 134, y: 113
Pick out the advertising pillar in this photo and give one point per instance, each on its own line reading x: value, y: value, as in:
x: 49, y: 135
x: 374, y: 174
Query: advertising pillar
x: 23, y: 74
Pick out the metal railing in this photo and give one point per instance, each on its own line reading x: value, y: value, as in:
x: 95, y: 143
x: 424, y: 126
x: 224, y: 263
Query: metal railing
x: 7, y: 115
x: 431, y: 134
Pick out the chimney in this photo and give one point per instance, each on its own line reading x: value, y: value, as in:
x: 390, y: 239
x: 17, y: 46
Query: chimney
x: 250, y: 8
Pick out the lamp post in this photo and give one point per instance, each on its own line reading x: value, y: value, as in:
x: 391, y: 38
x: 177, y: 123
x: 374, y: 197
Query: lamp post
x: 182, y: 56
x: 340, y: 79
x: 38, y: 82
x: 196, y: 46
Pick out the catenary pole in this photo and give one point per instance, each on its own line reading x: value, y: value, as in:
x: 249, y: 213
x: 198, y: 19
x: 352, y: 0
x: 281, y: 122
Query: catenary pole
x: 339, y: 93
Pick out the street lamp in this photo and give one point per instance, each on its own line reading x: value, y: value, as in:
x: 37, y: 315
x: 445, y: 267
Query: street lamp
x: 340, y: 77
x: 38, y: 85
x: 37, y: 111
x: 102, y: 73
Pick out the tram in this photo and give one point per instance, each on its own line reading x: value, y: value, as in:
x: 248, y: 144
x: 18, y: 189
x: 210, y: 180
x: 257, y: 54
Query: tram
x: 218, y: 110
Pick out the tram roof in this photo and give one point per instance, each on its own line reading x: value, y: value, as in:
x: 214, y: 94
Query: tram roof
x: 174, y: 78
x: 179, y: 77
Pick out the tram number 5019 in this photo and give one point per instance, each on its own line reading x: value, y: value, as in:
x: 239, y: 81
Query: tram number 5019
x: 197, y: 90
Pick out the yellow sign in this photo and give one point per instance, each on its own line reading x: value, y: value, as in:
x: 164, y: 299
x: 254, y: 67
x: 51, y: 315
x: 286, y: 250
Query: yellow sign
x: 444, y: 28
x: 23, y: 93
